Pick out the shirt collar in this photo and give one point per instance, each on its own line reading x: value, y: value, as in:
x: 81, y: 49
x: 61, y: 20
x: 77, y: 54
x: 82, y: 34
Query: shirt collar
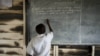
x: 40, y: 35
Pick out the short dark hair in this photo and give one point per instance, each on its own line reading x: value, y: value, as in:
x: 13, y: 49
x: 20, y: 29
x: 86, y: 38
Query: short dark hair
x: 40, y: 28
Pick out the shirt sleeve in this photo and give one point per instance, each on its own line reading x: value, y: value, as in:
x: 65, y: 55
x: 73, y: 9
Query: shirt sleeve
x: 30, y: 48
x: 50, y: 36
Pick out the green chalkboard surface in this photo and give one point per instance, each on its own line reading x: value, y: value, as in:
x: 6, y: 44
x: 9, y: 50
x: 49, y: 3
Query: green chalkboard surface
x: 74, y: 22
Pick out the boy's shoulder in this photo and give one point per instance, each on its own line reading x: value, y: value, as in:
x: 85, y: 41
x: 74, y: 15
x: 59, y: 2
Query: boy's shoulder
x: 50, y: 33
x: 37, y: 38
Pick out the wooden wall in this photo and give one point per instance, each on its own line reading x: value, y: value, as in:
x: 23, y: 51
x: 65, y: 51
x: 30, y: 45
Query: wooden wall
x: 12, y: 39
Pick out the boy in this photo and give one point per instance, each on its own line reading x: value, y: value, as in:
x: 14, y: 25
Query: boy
x: 41, y: 44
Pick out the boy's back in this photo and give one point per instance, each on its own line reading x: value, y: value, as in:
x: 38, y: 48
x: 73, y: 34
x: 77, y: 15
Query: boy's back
x: 41, y: 44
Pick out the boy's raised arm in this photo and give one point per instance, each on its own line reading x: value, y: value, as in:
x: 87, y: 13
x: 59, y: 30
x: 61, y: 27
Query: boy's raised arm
x: 48, y: 23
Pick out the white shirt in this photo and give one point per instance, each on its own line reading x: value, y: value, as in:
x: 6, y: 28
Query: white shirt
x: 40, y: 45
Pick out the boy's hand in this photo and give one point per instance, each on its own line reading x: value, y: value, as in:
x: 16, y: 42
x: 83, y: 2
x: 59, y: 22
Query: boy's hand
x: 47, y: 21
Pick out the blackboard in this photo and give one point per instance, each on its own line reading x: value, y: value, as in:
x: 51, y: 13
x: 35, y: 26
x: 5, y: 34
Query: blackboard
x: 90, y: 22
x: 75, y: 22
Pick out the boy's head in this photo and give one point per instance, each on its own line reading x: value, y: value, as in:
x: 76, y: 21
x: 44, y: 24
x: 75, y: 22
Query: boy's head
x: 40, y: 29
